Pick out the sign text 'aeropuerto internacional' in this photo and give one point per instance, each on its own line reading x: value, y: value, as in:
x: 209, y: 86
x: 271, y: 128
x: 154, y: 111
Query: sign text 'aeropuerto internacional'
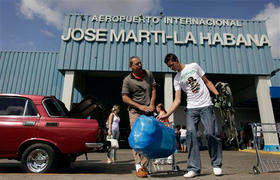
x: 161, y: 36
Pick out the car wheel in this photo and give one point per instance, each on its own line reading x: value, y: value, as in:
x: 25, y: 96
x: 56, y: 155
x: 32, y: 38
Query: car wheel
x: 38, y: 158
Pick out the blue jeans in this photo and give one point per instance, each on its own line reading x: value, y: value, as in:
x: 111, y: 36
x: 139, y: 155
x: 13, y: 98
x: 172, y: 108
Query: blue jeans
x: 115, y: 135
x: 258, y: 143
x: 208, y: 118
x: 183, y: 140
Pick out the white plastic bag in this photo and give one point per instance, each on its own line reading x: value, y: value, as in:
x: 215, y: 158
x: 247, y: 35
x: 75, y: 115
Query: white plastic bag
x: 114, y: 142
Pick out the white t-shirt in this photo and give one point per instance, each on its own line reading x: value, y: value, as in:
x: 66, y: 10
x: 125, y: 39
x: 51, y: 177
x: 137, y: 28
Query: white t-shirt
x: 190, y: 81
x: 183, y: 132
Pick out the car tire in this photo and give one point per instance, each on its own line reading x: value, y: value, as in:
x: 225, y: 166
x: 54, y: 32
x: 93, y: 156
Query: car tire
x: 83, y: 109
x: 38, y: 158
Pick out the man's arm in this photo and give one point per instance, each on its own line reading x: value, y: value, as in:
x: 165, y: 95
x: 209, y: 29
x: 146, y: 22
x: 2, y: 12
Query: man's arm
x: 173, y: 107
x: 153, y: 99
x: 210, y: 85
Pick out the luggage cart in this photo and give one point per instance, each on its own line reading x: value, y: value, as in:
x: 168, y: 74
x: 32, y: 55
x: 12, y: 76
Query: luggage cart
x: 163, y: 166
x: 264, y: 165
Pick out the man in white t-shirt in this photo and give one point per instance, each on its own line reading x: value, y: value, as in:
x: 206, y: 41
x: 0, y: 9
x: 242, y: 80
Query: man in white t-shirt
x: 192, y: 80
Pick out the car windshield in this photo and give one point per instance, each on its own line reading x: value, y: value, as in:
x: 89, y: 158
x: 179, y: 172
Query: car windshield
x: 54, y: 107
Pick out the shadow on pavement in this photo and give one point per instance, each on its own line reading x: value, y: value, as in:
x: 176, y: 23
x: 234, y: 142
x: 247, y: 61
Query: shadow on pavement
x: 88, y: 167
x: 10, y: 167
x: 99, y: 168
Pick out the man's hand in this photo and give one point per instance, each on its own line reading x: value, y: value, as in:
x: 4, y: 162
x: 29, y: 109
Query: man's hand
x: 144, y: 108
x: 162, y: 117
x: 216, y: 98
x: 151, y: 108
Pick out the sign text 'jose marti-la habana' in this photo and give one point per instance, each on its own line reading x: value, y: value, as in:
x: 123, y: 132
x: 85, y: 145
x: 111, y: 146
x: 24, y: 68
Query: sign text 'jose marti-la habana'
x: 182, y: 34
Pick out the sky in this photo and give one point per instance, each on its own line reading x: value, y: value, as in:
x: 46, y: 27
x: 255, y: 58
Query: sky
x: 36, y: 25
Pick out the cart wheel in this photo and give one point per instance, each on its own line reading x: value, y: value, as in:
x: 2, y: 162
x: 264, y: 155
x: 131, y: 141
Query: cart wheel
x: 256, y: 170
x: 176, y: 168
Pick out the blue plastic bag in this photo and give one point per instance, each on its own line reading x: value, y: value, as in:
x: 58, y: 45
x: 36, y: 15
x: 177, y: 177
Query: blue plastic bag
x: 152, y: 138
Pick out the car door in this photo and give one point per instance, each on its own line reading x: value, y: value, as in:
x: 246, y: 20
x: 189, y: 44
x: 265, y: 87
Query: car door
x: 69, y: 131
x: 18, y: 119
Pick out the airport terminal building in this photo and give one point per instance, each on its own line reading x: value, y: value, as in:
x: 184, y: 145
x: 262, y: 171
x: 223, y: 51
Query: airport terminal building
x: 94, y: 53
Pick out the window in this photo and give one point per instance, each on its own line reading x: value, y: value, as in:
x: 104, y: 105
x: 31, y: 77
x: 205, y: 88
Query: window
x: 13, y: 106
x: 54, y: 107
x: 16, y: 106
x: 30, y: 109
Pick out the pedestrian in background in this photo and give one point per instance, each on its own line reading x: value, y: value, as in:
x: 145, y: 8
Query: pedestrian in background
x: 178, y: 134
x: 113, y: 131
x: 183, y: 139
x: 161, y: 111
x: 259, y: 137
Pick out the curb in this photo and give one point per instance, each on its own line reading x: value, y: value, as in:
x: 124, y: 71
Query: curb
x: 260, y: 151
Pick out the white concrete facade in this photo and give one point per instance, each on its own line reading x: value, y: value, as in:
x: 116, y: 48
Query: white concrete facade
x: 168, y: 93
x: 68, y: 87
x: 265, y: 108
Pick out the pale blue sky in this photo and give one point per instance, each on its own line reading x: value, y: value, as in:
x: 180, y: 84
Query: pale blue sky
x: 36, y: 25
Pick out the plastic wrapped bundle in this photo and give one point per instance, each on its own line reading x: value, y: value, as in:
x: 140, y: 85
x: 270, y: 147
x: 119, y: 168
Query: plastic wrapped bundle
x: 152, y: 138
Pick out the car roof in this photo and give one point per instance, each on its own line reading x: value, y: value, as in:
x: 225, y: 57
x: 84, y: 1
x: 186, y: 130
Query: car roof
x: 30, y: 96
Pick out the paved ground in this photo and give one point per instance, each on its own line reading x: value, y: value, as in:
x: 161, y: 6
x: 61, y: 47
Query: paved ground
x: 236, y: 165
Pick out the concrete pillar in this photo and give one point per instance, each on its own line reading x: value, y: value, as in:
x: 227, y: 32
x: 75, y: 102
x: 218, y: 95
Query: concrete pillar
x: 266, y: 112
x: 68, y: 87
x: 168, y: 93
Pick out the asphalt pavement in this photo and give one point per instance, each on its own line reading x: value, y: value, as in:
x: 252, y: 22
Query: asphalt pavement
x: 236, y: 165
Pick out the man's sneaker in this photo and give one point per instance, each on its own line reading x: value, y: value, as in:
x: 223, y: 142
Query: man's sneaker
x: 191, y: 174
x: 217, y: 171
x: 141, y: 173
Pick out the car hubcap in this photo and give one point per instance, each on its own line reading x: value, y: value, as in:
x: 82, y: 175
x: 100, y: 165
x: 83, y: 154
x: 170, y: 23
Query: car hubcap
x: 37, y: 160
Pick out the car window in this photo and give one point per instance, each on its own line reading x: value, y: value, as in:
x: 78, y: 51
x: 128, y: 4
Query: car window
x: 30, y: 109
x: 13, y: 106
x: 17, y: 106
x: 54, y: 107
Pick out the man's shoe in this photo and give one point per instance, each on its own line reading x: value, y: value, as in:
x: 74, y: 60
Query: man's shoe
x: 217, y: 171
x: 141, y: 173
x: 191, y: 174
